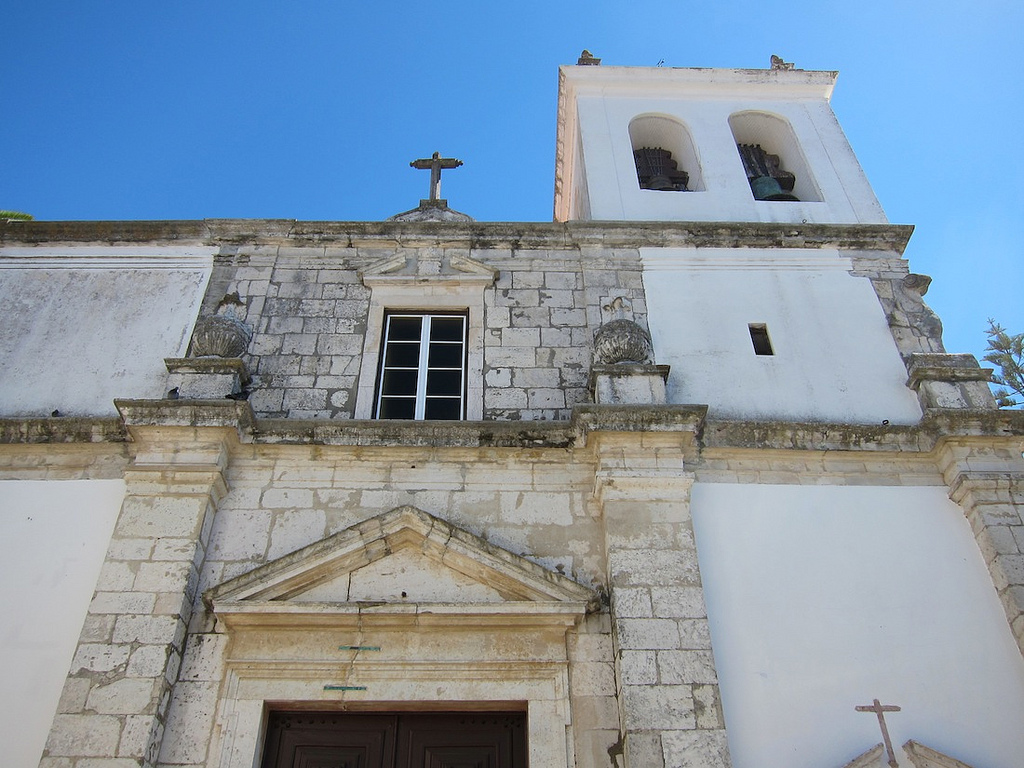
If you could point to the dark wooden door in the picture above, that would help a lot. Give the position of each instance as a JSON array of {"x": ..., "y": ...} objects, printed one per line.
[{"x": 396, "y": 740}]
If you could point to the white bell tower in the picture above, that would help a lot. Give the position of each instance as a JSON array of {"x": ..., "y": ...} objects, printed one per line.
[
  {"x": 730, "y": 133},
  {"x": 772, "y": 312}
]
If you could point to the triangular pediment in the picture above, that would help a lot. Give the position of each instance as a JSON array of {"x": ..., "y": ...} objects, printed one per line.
[
  {"x": 917, "y": 754},
  {"x": 426, "y": 265},
  {"x": 405, "y": 562},
  {"x": 926, "y": 757},
  {"x": 870, "y": 759}
]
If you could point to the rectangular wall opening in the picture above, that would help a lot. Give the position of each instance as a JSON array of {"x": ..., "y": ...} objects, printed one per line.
[{"x": 759, "y": 338}]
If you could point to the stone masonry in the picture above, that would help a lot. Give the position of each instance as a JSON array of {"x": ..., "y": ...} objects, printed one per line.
[{"x": 309, "y": 311}]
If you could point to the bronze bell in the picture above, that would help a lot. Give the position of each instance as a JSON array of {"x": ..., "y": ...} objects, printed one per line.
[
  {"x": 661, "y": 182},
  {"x": 768, "y": 188},
  {"x": 655, "y": 169}
]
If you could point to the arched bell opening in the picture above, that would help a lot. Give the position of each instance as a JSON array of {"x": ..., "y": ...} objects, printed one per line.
[
  {"x": 664, "y": 155},
  {"x": 772, "y": 159}
]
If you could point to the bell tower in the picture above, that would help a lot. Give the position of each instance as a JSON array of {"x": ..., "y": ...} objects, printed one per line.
[
  {"x": 771, "y": 312},
  {"x": 667, "y": 144}
]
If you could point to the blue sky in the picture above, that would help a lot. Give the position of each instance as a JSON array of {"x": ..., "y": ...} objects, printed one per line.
[{"x": 313, "y": 110}]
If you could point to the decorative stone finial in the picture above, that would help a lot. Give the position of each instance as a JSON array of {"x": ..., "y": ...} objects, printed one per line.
[
  {"x": 220, "y": 336},
  {"x": 923, "y": 320},
  {"x": 917, "y": 283},
  {"x": 622, "y": 341},
  {"x": 778, "y": 63}
]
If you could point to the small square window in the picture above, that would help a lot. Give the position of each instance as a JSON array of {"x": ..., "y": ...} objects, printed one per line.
[
  {"x": 423, "y": 367},
  {"x": 759, "y": 338}
]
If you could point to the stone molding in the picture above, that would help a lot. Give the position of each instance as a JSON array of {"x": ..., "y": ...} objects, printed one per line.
[
  {"x": 43, "y": 257},
  {"x": 229, "y": 233},
  {"x": 717, "y": 434},
  {"x": 412, "y": 269}
]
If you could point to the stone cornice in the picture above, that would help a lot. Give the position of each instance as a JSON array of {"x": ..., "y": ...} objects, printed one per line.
[
  {"x": 229, "y": 233},
  {"x": 61, "y": 429},
  {"x": 937, "y": 426}
]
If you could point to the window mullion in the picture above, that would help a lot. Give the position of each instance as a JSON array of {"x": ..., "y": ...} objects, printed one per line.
[{"x": 421, "y": 378}]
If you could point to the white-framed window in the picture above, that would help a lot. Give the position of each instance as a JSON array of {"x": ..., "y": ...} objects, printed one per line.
[{"x": 422, "y": 366}]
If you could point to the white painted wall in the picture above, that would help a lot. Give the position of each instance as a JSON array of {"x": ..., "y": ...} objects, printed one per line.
[
  {"x": 600, "y": 102},
  {"x": 83, "y": 326},
  {"x": 822, "y": 598},
  {"x": 835, "y": 358},
  {"x": 53, "y": 538}
]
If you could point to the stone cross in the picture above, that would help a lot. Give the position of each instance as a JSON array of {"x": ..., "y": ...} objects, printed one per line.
[
  {"x": 435, "y": 163},
  {"x": 878, "y": 709}
]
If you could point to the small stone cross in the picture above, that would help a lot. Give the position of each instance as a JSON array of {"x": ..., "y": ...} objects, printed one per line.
[
  {"x": 878, "y": 709},
  {"x": 435, "y": 163}
]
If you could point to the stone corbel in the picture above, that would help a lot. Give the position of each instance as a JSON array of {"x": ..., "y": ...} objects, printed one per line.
[
  {"x": 206, "y": 378},
  {"x": 949, "y": 381}
]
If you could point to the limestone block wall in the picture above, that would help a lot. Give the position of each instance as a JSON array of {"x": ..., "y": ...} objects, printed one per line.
[
  {"x": 309, "y": 311},
  {"x": 531, "y": 502}
]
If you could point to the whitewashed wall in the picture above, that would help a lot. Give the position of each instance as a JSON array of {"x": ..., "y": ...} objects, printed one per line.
[
  {"x": 835, "y": 359},
  {"x": 83, "y": 326},
  {"x": 822, "y": 598},
  {"x": 53, "y": 537}
]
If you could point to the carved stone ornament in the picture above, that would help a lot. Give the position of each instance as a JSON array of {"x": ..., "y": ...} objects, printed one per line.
[
  {"x": 622, "y": 341},
  {"x": 921, "y": 316},
  {"x": 220, "y": 336}
]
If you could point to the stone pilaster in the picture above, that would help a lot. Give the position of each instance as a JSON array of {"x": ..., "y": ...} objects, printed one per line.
[
  {"x": 115, "y": 698},
  {"x": 986, "y": 478},
  {"x": 669, "y": 698}
]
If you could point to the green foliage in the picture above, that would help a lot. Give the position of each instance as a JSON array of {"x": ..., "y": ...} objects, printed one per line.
[
  {"x": 16, "y": 215},
  {"x": 1006, "y": 353}
]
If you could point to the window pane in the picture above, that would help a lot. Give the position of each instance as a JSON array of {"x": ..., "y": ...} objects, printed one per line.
[
  {"x": 445, "y": 356},
  {"x": 443, "y": 408},
  {"x": 446, "y": 328},
  {"x": 404, "y": 328},
  {"x": 399, "y": 382},
  {"x": 444, "y": 383},
  {"x": 397, "y": 408},
  {"x": 404, "y": 354}
]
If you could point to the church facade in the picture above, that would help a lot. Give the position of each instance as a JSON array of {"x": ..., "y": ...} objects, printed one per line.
[{"x": 683, "y": 478}]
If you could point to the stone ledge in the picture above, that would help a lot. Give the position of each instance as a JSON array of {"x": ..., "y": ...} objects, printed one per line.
[
  {"x": 188, "y": 413},
  {"x": 936, "y": 426},
  {"x": 441, "y": 434},
  {"x": 518, "y": 235},
  {"x": 944, "y": 367},
  {"x": 62, "y": 429}
]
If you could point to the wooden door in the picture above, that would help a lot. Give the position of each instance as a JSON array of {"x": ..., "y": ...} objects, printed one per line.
[{"x": 396, "y": 740}]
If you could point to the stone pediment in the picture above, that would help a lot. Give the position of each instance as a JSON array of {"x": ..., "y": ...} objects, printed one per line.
[
  {"x": 918, "y": 755},
  {"x": 399, "y": 567},
  {"x": 427, "y": 265}
]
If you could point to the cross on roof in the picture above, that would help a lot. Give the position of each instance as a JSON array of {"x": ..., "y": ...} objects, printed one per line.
[
  {"x": 435, "y": 163},
  {"x": 879, "y": 709}
]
